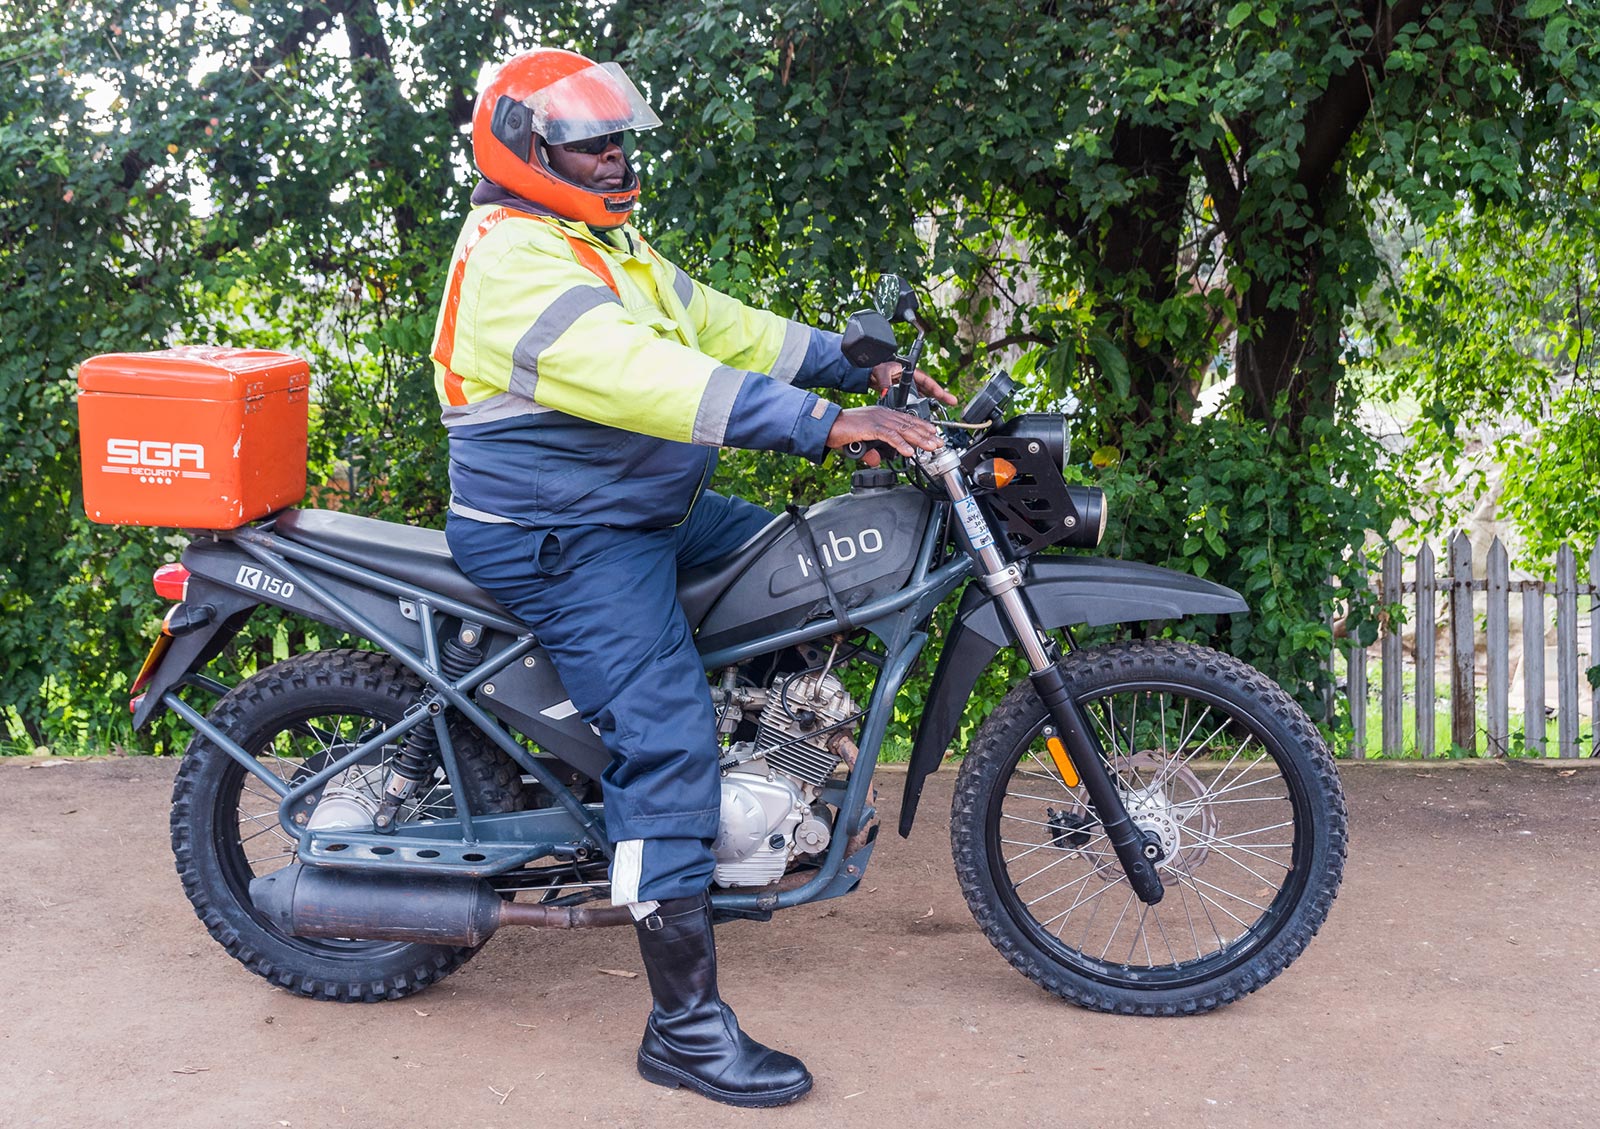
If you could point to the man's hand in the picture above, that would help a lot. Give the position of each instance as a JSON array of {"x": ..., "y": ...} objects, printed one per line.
[
  {"x": 886, "y": 374},
  {"x": 905, "y": 433}
]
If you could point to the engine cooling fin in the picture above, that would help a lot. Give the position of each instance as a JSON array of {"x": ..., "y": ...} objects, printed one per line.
[{"x": 801, "y": 714}]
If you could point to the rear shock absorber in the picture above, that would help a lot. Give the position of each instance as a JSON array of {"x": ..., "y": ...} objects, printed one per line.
[{"x": 418, "y": 757}]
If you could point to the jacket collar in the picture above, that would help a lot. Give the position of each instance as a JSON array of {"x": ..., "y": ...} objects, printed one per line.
[{"x": 487, "y": 192}]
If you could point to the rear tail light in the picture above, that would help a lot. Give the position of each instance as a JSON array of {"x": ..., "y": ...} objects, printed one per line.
[
  {"x": 171, "y": 581},
  {"x": 135, "y": 703}
]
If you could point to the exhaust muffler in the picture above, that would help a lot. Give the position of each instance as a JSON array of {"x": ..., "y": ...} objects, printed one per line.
[{"x": 323, "y": 902}]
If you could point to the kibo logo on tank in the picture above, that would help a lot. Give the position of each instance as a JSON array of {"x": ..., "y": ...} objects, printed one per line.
[{"x": 838, "y": 550}]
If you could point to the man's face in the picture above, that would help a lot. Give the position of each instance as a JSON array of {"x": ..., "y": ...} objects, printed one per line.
[{"x": 605, "y": 171}]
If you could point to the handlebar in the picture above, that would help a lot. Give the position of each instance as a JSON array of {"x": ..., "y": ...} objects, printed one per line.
[{"x": 858, "y": 450}]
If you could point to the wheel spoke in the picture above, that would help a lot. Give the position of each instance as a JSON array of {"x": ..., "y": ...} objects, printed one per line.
[
  {"x": 1250, "y": 800},
  {"x": 1214, "y": 791},
  {"x": 1118, "y": 923},
  {"x": 1085, "y": 898},
  {"x": 1066, "y": 886},
  {"x": 1227, "y": 893},
  {"x": 1222, "y": 847},
  {"x": 1040, "y": 799},
  {"x": 1205, "y": 907},
  {"x": 1042, "y": 869}
]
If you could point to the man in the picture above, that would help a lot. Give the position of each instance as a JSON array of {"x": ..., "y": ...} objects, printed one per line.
[{"x": 587, "y": 384}]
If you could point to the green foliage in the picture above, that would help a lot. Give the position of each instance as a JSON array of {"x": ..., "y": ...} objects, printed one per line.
[
  {"x": 228, "y": 174},
  {"x": 1131, "y": 182},
  {"x": 1252, "y": 508},
  {"x": 94, "y": 230},
  {"x": 1495, "y": 334},
  {"x": 1144, "y": 196}
]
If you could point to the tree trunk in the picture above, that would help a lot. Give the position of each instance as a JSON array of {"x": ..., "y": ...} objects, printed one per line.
[
  {"x": 1293, "y": 352},
  {"x": 1139, "y": 252}
]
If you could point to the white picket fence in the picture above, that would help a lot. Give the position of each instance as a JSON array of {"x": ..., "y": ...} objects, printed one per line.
[{"x": 1489, "y": 732}]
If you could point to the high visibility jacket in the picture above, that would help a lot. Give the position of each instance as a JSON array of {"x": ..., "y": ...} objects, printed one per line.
[{"x": 587, "y": 380}]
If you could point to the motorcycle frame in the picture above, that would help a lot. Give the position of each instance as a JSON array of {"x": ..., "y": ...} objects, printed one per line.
[{"x": 484, "y": 845}]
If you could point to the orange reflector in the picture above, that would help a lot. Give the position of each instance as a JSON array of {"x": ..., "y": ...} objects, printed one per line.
[
  {"x": 1058, "y": 753},
  {"x": 158, "y": 651},
  {"x": 1004, "y": 472}
]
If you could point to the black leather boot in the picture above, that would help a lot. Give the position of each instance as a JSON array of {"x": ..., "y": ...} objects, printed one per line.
[{"x": 692, "y": 1038}]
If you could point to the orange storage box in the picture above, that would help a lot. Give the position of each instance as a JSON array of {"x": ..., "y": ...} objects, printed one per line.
[{"x": 197, "y": 437}]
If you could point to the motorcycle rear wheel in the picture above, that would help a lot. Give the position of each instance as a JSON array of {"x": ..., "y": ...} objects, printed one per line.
[
  {"x": 295, "y": 716},
  {"x": 1221, "y": 765}
]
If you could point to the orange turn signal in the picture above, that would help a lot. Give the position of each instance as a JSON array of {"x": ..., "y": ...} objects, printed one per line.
[
  {"x": 994, "y": 474},
  {"x": 1058, "y": 753}
]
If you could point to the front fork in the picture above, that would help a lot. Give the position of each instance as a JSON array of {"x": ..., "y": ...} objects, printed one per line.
[{"x": 1139, "y": 853}]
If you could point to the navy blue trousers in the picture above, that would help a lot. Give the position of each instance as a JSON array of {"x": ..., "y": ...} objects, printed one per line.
[{"x": 604, "y": 605}]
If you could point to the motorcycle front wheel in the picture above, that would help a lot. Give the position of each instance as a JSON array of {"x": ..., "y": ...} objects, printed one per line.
[
  {"x": 295, "y": 717},
  {"x": 1210, "y": 756}
]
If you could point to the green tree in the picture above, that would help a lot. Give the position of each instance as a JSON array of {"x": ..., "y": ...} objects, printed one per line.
[
  {"x": 1189, "y": 170},
  {"x": 1143, "y": 193},
  {"x": 190, "y": 172},
  {"x": 1495, "y": 336},
  {"x": 95, "y": 241},
  {"x": 1138, "y": 194}
]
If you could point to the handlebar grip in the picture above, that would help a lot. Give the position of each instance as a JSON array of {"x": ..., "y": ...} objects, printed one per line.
[{"x": 858, "y": 449}]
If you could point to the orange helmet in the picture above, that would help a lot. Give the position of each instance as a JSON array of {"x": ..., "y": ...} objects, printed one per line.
[{"x": 552, "y": 97}]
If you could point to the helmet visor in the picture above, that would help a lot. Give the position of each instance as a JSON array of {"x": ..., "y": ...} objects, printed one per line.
[{"x": 590, "y": 103}]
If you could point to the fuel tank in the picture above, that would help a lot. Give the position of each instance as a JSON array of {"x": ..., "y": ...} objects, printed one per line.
[{"x": 866, "y": 543}]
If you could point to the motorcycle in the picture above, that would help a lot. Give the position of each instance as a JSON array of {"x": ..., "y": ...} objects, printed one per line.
[{"x": 1150, "y": 828}]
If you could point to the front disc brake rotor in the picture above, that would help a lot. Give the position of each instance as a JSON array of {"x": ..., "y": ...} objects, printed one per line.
[{"x": 1166, "y": 800}]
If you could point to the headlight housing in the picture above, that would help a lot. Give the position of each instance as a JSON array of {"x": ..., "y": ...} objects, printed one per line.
[
  {"x": 1048, "y": 429},
  {"x": 1090, "y": 502}
]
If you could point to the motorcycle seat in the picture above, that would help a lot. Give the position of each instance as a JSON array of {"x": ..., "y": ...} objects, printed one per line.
[
  {"x": 422, "y": 557},
  {"x": 401, "y": 552},
  {"x": 698, "y": 588}
]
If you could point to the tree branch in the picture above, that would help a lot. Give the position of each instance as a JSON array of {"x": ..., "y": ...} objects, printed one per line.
[
  {"x": 313, "y": 18},
  {"x": 1340, "y": 109},
  {"x": 967, "y": 356}
]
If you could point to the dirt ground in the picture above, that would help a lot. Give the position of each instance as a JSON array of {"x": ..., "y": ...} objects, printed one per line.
[{"x": 1457, "y": 983}]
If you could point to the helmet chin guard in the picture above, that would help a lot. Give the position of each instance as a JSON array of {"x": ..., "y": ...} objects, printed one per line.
[{"x": 552, "y": 97}]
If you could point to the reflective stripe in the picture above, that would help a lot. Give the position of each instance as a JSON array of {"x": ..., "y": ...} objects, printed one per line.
[
  {"x": 445, "y": 346},
  {"x": 682, "y": 286},
  {"x": 503, "y": 406},
  {"x": 716, "y": 406},
  {"x": 461, "y": 509},
  {"x": 626, "y": 867},
  {"x": 558, "y": 317},
  {"x": 592, "y": 260},
  {"x": 792, "y": 353}
]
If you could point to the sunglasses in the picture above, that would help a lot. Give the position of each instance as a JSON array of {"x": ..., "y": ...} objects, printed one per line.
[{"x": 594, "y": 146}]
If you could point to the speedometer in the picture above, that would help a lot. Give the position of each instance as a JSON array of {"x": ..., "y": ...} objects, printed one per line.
[{"x": 989, "y": 401}]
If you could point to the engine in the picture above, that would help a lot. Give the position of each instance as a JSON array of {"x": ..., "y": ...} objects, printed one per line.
[{"x": 770, "y": 812}]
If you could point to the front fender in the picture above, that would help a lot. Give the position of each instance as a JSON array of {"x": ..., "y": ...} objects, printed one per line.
[{"x": 1063, "y": 592}]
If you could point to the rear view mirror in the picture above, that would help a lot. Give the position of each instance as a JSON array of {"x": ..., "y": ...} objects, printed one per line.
[
  {"x": 868, "y": 340},
  {"x": 894, "y": 298}
]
